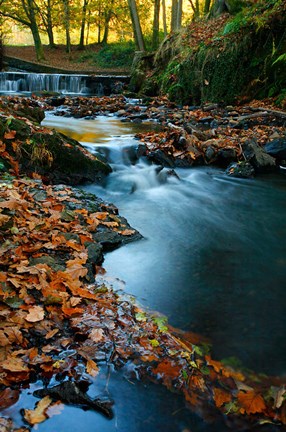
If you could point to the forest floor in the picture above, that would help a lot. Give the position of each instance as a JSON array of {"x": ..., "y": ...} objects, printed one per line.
[{"x": 59, "y": 58}]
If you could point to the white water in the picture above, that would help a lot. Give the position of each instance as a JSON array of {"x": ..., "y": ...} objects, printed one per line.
[{"x": 213, "y": 254}]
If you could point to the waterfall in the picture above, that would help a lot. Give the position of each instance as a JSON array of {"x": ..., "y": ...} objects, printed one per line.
[
  {"x": 30, "y": 82},
  {"x": 99, "y": 85}
]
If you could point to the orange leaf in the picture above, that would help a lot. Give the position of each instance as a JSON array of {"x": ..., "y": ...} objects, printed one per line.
[
  {"x": 251, "y": 402},
  {"x": 92, "y": 368},
  {"x": 10, "y": 135},
  {"x": 127, "y": 232},
  {"x": 38, "y": 415},
  {"x": 71, "y": 311},
  {"x": 221, "y": 397}
]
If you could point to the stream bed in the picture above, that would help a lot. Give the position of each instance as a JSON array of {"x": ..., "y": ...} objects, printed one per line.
[{"x": 213, "y": 259}]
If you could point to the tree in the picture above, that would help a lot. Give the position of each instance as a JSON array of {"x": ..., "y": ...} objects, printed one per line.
[
  {"x": 25, "y": 12},
  {"x": 83, "y": 22},
  {"x": 46, "y": 13},
  {"x": 176, "y": 17},
  {"x": 138, "y": 35},
  {"x": 66, "y": 5},
  {"x": 155, "y": 38},
  {"x": 218, "y": 7}
]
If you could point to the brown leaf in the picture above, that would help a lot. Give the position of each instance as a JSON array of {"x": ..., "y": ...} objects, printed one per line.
[
  {"x": 96, "y": 335},
  {"x": 36, "y": 313},
  {"x": 14, "y": 364},
  {"x": 92, "y": 368},
  {"x": 251, "y": 402},
  {"x": 8, "y": 397},
  {"x": 221, "y": 397},
  {"x": 38, "y": 415}
]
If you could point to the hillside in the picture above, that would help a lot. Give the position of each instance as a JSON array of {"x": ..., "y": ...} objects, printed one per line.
[{"x": 226, "y": 59}]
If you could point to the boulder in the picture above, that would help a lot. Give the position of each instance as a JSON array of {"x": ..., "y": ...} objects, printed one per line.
[
  {"x": 257, "y": 156},
  {"x": 276, "y": 148}
]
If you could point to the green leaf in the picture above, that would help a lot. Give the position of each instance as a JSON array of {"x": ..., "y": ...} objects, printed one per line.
[
  {"x": 205, "y": 370},
  {"x": 185, "y": 375},
  {"x": 140, "y": 316},
  {"x": 154, "y": 343},
  {"x": 161, "y": 322}
]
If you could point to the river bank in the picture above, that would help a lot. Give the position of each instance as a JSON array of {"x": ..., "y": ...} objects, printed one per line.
[{"x": 60, "y": 295}]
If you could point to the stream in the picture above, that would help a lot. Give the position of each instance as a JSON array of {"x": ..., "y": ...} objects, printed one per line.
[{"x": 213, "y": 260}]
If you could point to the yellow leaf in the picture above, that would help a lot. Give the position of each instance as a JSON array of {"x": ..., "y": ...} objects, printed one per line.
[
  {"x": 38, "y": 415},
  {"x": 92, "y": 368}
]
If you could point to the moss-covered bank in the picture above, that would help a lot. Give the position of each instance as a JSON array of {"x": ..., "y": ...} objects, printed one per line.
[{"x": 245, "y": 57}]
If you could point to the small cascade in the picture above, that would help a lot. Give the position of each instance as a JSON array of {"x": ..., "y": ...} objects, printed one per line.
[
  {"x": 30, "y": 82},
  {"x": 22, "y": 82}
]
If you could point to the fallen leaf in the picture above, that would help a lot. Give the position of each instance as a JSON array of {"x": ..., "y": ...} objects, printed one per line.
[
  {"x": 221, "y": 397},
  {"x": 251, "y": 402},
  {"x": 14, "y": 364},
  {"x": 8, "y": 397},
  {"x": 38, "y": 415},
  {"x": 36, "y": 313},
  {"x": 127, "y": 232},
  {"x": 96, "y": 335},
  {"x": 10, "y": 134},
  {"x": 92, "y": 368}
]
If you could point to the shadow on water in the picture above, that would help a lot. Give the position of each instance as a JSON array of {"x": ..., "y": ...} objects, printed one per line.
[{"x": 212, "y": 258}]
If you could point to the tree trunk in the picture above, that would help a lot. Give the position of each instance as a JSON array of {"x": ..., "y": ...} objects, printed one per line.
[
  {"x": 174, "y": 15},
  {"x": 138, "y": 36},
  {"x": 155, "y": 37},
  {"x": 164, "y": 17},
  {"x": 179, "y": 14},
  {"x": 82, "y": 27},
  {"x": 50, "y": 25},
  {"x": 30, "y": 8},
  {"x": 67, "y": 24},
  {"x": 107, "y": 18},
  {"x": 207, "y": 6},
  {"x": 219, "y": 7},
  {"x": 88, "y": 28}
]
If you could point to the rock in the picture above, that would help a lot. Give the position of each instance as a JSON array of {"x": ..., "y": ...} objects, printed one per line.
[
  {"x": 95, "y": 254},
  {"x": 226, "y": 155},
  {"x": 256, "y": 155},
  {"x": 141, "y": 150},
  {"x": 210, "y": 153},
  {"x": 240, "y": 169},
  {"x": 56, "y": 101},
  {"x": 276, "y": 148},
  {"x": 159, "y": 157},
  {"x": 56, "y": 157}
]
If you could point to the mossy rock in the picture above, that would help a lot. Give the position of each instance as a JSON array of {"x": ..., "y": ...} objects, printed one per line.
[{"x": 61, "y": 159}]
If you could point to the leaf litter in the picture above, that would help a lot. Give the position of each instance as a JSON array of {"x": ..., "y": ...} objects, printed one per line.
[{"x": 56, "y": 313}]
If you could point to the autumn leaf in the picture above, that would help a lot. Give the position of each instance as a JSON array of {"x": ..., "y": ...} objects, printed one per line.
[
  {"x": 10, "y": 135},
  {"x": 251, "y": 402},
  {"x": 8, "y": 397},
  {"x": 14, "y": 364},
  {"x": 96, "y": 335},
  {"x": 92, "y": 368},
  {"x": 36, "y": 313},
  {"x": 127, "y": 232},
  {"x": 38, "y": 415},
  {"x": 55, "y": 409},
  {"x": 221, "y": 397}
]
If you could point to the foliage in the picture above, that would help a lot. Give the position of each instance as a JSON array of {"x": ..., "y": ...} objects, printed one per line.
[{"x": 112, "y": 55}]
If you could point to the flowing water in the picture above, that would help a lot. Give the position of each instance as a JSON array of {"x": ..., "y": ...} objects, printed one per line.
[{"x": 213, "y": 257}]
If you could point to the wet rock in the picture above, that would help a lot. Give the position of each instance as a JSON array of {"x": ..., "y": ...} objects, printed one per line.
[
  {"x": 210, "y": 153},
  {"x": 141, "y": 150},
  {"x": 256, "y": 155},
  {"x": 276, "y": 148},
  {"x": 240, "y": 169},
  {"x": 95, "y": 253},
  {"x": 111, "y": 240},
  {"x": 225, "y": 156},
  {"x": 56, "y": 101},
  {"x": 159, "y": 157}
]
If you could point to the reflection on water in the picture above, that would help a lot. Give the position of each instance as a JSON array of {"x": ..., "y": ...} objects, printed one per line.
[{"x": 212, "y": 259}]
